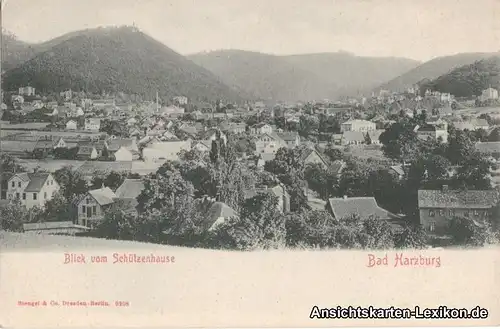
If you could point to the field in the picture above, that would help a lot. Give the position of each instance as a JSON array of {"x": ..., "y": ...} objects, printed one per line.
[
  {"x": 477, "y": 111},
  {"x": 367, "y": 152},
  {"x": 49, "y": 165}
]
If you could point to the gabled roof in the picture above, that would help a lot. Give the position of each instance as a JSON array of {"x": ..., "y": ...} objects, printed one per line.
[
  {"x": 307, "y": 152},
  {"x": 37, "y": 180},
  {"x": 289, "y": 136},
  {"x": 103, "y": 196},
  {"x": 354, "y": 136},
  {"x": 364, "y": 207},
  {"x": 468, "y": 199},
  {"x": 115, "y": 144},
  {"x": 488, "y": 147},
  {"x": 216, "y": 211},
  {"x": 130, "y": 189}
]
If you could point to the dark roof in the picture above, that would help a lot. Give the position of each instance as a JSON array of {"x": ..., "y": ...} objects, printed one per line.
[
  {"x": 36, "y": 182},
  {"x": 307, "y": 152},
  {"x": 130, "y": 189},
  {"x": 217, "y": 210},
  {"x": 364, "y": 207},
  {"x": 468, "y": 199},
  {"x": 488, "y": 147},
  {"x": 115, "y": 144},
  {"x": 290, "y": 136}
]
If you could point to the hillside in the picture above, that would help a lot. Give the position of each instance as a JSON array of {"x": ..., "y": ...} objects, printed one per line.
[
  {"x": 14, "y": 51},
  {"x": 267, "y": 77},
  {"x": 432, "y": 70},
  {"x": 349, "y": 74},
  {"x": 468, "y": 80},
  {"x": 116, "y": 59},
  {"x": 300, "y": 77}
]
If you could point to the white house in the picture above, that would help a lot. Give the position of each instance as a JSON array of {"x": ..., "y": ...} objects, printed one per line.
[
  {"x": 163, "y": 151},
  {"x": 71, "y": 125},
  {"x": 358, "y": 125},
  {"x": 92, "y": 124},
  {"x": 27, "y": 91},
  {"x": 489, "y": 94},
  {"x": 31, "y": 189}
]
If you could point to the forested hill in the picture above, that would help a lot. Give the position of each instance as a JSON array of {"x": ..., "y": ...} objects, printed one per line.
[{"x": 117, "y": 59}]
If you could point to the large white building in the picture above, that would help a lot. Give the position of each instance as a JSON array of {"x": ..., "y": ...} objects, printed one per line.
[
  {"x": 489, "y": 94},
  {"x": 358, "y": 125}
]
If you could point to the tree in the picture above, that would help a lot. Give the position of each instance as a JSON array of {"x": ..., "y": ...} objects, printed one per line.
[
  {"x": 8, "y": 164},
  {"x": 376, "y": 234},
  {"x": 333, "y": 153},
  {"x": 71, "y": 182},
  {"x": 466, "y": 231},
  {"x": 473, "y": 173},
  {"x": 460, "y": 146},
  {"x": 400, "y": 142},
  {"x": 411, "y": 237},
  {"x": 260, "y": 225},
  {"x": 13, "y": 215},
  {"x": 368, "y": 139},
  {"x": 59, "y": 209}
]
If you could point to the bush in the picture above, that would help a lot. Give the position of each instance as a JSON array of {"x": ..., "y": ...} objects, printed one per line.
[
  {"x": 466, "y": 231},
  {"x": 411, "y": 237}
]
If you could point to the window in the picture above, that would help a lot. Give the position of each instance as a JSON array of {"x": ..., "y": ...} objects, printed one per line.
[
  {"x": 94, "y": 210},
  {"x": 451, "y": 212},
  {"x": 45, "y": 195},
  {"x": 17, "y": 196},
  {"x": 83, "y": 209},
  {"x": 13, "y": 184},
  {"x": 476, "y": 212},
  {"x": 432, "y": 226},
  {"x": 431, "y": 213},
  {"x": 466, "y": 213},
  {"x": 34, "y": 196},
  {"x": 441, "y": 212},
  {"x": 18, "y": 184},
  {"x": 24, "y": 196},
  {"x": 87, "y": 200}
]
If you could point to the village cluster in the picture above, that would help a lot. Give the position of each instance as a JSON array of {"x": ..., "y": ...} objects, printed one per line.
[{"x": 44, "y": 133}]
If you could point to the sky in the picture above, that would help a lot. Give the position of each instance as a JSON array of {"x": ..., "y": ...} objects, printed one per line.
[{"x": 417, "y": 29}]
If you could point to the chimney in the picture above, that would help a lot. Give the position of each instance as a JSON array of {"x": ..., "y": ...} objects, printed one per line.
[
  {"x": 445, "y": 188},
  {"x": 345, "y": 197}
]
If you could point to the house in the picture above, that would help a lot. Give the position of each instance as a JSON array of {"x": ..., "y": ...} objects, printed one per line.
[
  {"x": 435, "y": 130},
  {"x": 397, "y": 171},
  {"x": 71, "y": 125},
  {"x": 357, "y": 125},
  {"x": 67, "y": 94},
  {"x": 438, "y": 207},
  {"x": 489, "y": 94},
  {"x": 312, "y": 156},
  {"x": 163, "y": 151},
  {"x": 17, "y": 99},
  {"x": 261, "y": 128},
  {"x": 211, "y": 135},
  {"x": 489, "y": 148},
  {"x": 233, "y": 127},
  {"x": 375, "y": 136},
  {"x": 27, "y": 91},
  {"x": 268, "y": 143},
  {"x": 92, "y": 124},
  {"x": 291, "y": 139},
  {"x": 92, "y": 206},
  {"x": 213, "y": 212},
  {"x": 130, "y": 189},
  {"x": 57, "y": 228},
  {"x": 102, "y": 103},
  {"x": 180, "y": 100},
  {"x": 87, "y": 151},
  {"x": 353, "y": 138},
  {"x": 171, "y": 110},
  {"x": 202, "y": 146},
  {"x": 472, "y": 125},
  {"x": 31, "y": 189},
  {"x": 363, "y": 207},
  {"x": 278, "y": 191},
  {"x": 123, "y": 149}
]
